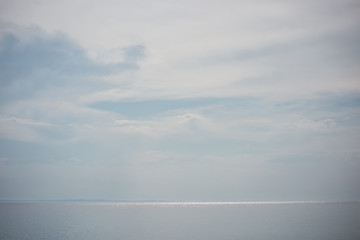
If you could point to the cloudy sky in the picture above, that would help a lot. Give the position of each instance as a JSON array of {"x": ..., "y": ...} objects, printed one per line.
[{"x": 180, "y": 100}]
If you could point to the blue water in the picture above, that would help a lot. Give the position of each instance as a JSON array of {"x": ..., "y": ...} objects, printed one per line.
[{"x": 173, "y": 221}]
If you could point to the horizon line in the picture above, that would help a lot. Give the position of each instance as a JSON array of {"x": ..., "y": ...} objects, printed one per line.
[{"x": 175, "y": 202}]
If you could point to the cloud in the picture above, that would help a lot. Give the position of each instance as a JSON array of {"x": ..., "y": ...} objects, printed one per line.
[
  {"x": 267, "y": 49},
  {"x": 32, "y": 61},
  {"x": 41, "y": 77}
]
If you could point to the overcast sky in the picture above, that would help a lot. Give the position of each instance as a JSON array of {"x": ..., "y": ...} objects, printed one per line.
[{"x": 180, "y": 100}]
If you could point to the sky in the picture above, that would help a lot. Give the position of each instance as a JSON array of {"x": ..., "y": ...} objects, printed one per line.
[{"x": 180, "y": 100}]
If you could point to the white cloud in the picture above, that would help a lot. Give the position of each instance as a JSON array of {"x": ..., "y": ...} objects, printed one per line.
[{"x": 217, "y": 49}]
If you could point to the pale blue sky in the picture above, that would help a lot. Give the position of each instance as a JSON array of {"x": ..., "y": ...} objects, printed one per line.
[{"x": 168, "y": 100}]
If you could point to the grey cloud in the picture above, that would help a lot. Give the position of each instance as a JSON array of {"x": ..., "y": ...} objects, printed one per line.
[
  {"x": 134, "y": 53},
  {"x": 30, "y": 63}
]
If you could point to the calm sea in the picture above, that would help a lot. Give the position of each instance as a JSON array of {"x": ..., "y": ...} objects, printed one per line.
[{"x": 172, "y": 221}]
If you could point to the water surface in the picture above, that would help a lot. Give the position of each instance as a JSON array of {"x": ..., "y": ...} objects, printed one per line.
[{"x": 175, "y": 220}]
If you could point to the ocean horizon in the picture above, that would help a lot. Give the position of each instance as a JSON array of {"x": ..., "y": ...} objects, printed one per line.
[{"x": 182, "y": 201}]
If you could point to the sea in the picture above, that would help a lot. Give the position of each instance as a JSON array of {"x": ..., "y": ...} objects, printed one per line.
[{"x": 80, "y": 220}]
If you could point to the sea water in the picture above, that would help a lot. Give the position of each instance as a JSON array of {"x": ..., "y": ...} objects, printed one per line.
[{"x": 179, "y": 220}]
